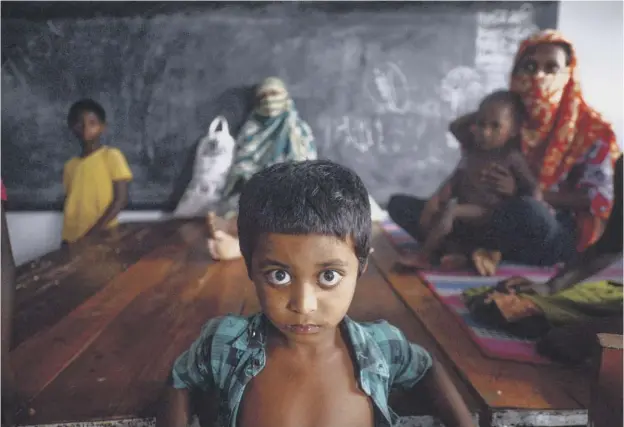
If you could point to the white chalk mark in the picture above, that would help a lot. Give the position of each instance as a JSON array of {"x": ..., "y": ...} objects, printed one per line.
[
  {"x": 13, "y": 71},
  {"x": 379, "y": 132},
  {"x": 522, "y": 16},
  {"x": 421, "y": 128},
  {"x": 459, "y": 85},
  {"x": 356, "y": 133},
  {"x": 430, "y": 108},
  {"x": 54, "y": 29},
  {"x": 499, "y": 33},
  {"x": 386, "y": 145},
  {"x": 389, "y": 89}
]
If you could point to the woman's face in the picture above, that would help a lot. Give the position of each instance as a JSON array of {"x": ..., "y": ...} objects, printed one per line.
[{"x": 544, "y": 58}]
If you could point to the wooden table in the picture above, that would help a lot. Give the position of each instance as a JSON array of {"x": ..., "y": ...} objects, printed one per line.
[{"x": 98, "y": 327}]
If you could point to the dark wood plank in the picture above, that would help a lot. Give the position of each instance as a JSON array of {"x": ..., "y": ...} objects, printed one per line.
[
  {"x": 499, "y": 384},
  {"x": 41, "y": 303},
  {"x": 224, "y": 287},
  {"x": 64, "y": 341},
  {"x": 92, "y": 386}
]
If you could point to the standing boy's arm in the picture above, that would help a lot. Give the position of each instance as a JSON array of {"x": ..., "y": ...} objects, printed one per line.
[
  {"x": 447, "y": 404},
  {"x": 121, "y": 175},
  {"x": 120, "y": 200}
]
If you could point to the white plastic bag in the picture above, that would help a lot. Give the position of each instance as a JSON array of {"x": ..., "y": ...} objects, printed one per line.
[
  {"x": 377, "y": 214},
  {"x": 213, "y": 160}
]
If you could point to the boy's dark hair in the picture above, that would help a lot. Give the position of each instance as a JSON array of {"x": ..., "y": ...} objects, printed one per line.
[
  {"x": 85, "y": 105},
  {"x": 512, "y": 99},
  {"x": 308, "y": 197}
]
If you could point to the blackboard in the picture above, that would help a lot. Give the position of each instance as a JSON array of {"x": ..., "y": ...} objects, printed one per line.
[{"x": 378, "y": 82}]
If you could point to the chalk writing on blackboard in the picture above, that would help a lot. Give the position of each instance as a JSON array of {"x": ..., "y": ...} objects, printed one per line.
[
  {"x": 55, "y": 29},
  {"x": 11, "y": 71},
  {"x": 357, "y": 133},
  {"x": 499, "y": 32},
  {"x": 388, "y": 89},
  {"x": 460, "y": 88}
]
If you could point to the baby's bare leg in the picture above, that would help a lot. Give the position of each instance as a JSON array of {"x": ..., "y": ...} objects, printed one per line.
[
  {"x": 485, "y": 261},
  {"x": 442, "y": 227},
  {"x": 471, "y": 214}
]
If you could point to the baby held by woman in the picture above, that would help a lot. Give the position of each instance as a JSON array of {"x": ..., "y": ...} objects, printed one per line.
[{"x": 459, "y": 212}]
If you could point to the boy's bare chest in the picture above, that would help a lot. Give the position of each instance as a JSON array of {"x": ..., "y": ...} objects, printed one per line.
[{"x": 285, "y": 395}]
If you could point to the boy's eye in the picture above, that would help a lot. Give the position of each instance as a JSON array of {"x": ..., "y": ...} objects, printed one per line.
[
  {"x": 329, "y": 278},
  {"x": 278, "y": 277}
]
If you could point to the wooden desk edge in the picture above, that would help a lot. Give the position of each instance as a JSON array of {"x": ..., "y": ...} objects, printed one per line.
[{"x": 612, "y": 341}]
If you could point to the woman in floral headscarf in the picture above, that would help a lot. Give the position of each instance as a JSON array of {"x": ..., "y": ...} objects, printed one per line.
[
  {"x": 273, "y": 133},
  {"x": 571, "y": 150}
]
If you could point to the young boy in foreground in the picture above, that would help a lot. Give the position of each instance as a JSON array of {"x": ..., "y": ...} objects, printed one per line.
[
  {"x": 305, "y": 233},
  {"x": 96, "y": 183}
]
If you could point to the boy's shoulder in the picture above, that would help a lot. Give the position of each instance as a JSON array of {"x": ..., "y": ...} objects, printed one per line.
[
  {"x": 229, "y": 325},
  {"x": 382, "y": 348},
  {"x": 112, "y": 150},
  {"x": 378, "y": 330},
  {"x": 377, "y": 335},
  {"x": 72, "y": 161}
]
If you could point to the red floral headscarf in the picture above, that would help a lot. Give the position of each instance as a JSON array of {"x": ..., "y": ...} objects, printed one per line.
[{"x": 561, "y": 119}]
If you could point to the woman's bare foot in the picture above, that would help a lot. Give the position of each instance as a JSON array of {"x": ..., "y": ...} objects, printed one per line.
[
  {"x": 221, "y": 245},
  {"x": 486, "y": 262},
  {"x": 452, "y": 262}
]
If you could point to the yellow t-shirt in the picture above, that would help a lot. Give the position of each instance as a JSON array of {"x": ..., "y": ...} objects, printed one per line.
[{"x": 88, "y": 184}]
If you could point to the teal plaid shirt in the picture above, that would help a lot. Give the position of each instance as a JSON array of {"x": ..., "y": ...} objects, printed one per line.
[{"x": 230, "y": 352}]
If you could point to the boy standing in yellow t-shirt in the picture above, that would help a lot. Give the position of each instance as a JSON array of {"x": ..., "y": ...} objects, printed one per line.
[{"x": 96, "y": 183}]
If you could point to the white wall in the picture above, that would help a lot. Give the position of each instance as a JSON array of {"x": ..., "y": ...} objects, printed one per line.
[
  {"x": 36, "y": 233},
  {"x": 595, "y": 27}
]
